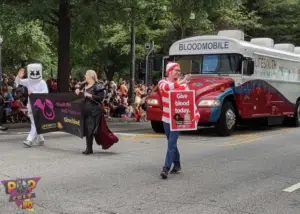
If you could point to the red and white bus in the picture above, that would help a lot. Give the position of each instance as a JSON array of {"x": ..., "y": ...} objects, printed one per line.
[{"x": 235, "y": 80}]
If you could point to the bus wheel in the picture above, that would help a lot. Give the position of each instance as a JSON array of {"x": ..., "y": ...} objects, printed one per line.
[
  {"x": 227, "y": 121},
  {"x": 296, "y": 118},
  {"x": 157, "y": 126}
]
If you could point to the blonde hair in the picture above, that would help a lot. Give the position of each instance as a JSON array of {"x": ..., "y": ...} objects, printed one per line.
[{"x": 93, "y": 74}]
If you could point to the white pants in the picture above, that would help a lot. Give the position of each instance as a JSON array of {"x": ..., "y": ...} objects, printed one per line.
[{"x": 33, "y": 134}]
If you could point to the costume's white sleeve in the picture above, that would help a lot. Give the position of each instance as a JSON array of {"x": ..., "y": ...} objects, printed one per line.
[
  {"x": 43, "y": 88},
  {"x": 19, "y": 81}
]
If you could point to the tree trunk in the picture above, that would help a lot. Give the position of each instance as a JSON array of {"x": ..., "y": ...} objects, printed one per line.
[
  {"x": 132, "y": 53},
  {"x": 109, "y": 73},
  {"x": 64, "y": 33},
  {"x": 97, "y": 70},
  {"x": 182, "y": 28},
  {"x": 182, "y": 32}
]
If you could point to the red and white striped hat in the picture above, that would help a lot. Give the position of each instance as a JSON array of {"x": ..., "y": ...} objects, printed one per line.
[{"x": 171, "y": 66}]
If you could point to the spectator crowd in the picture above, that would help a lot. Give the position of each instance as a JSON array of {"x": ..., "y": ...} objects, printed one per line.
[{"x": 116, "y": 102}]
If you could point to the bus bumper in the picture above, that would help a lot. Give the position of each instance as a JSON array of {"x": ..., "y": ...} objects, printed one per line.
[{"x": 209, "y": 114}]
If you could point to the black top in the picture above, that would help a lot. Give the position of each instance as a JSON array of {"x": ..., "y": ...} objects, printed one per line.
[{"x": 92, "y": 105}]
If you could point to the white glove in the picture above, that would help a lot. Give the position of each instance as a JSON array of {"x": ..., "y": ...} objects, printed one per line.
[{"x": 77, "y": 91}]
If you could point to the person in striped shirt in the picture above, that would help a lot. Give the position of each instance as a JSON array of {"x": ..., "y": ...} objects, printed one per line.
[{"x": 170, "y": 83}]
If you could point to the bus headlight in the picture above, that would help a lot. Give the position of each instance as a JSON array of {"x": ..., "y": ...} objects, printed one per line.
[
  {"x": 209, "y": 103},
  {"x": 152, "y": 101}
]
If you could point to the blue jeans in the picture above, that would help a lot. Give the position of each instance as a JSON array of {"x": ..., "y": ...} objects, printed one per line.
[{"x": 172, "y": 155}]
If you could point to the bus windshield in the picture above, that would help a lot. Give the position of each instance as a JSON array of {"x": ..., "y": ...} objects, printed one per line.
[{"x": 211, "y": 64}]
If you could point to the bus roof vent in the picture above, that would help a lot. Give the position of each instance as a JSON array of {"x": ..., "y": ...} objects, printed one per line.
[
  {"x": 285, "y": 47},
  {"x": 236, "y": 34},
  {"x": 297, "y": 50},
  {"x": 266, "y": 42}
]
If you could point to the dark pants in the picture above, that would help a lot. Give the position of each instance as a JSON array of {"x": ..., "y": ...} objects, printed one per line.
[
  {"x": 172, "y": 155},
  {"x": 89, "y": 124}
]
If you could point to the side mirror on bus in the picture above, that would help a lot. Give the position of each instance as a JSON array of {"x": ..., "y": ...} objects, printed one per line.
[{"x": 249, "y": 67}]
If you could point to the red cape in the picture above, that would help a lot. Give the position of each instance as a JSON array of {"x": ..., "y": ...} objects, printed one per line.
[{"x": 104, "y": 136}]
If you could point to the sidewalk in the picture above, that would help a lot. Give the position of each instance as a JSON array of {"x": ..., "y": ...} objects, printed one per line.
[{"x": 109, "y": 121}]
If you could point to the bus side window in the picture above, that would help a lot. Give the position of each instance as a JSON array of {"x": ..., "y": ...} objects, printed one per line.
[
  {"x": 210, "y": 63},
  {"x": 248, "y": 67}
]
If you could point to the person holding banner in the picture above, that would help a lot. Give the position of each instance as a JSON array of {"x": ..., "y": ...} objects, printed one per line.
[
  {"x": 94, "y": 122},
  {"x": 166, "y": 85},
  {"x": 36, "y": 85}
]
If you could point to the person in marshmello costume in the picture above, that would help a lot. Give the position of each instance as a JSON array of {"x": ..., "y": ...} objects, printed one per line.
[{"x": 35, "y": 84}]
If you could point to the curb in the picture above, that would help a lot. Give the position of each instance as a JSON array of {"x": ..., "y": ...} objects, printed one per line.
[
  {"x": 109, "y": 121},
  {"x": 16, "y": 125},
  {"x": 120, "y": 120}
]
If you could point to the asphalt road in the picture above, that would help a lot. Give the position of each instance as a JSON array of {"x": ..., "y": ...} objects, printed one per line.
[{"x": 249, "y": 172}]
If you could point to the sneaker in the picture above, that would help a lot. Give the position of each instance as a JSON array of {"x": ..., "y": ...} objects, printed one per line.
[
  {"x": 164, "y": 173},
  {"x": 2, "y": 128},
  {"x": 27, "y": 143},
  {"x": 176, "y": 169}
]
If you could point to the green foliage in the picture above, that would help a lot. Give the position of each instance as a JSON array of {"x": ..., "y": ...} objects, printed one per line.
[
  {"x": 280, "y": 20},
  {"x": 232, "y": 14},
  {"x": 24, "y": 38},
  {"x": 27, "y": 42},
  {"x": 100, "y": 33}
]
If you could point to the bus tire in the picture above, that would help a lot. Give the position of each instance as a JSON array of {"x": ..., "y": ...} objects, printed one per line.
[
  {"x": 227, "y": 120},
  {"x": 157, "y": 126},
  {"x": 296, "y": 118}
]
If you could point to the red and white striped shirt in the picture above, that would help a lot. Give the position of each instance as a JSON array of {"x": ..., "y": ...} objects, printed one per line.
[{"x": 164, "y": 87}]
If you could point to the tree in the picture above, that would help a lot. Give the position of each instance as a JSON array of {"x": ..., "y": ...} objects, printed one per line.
[
  {"x": 24, "y": 39},
  {"x": 108, "y": 46},
  {"x": 280, "y": 20},
  {"x": 232, "y": 14},
  {"x": 75, "y": 35},
  {"x": 59, "y": 14}
]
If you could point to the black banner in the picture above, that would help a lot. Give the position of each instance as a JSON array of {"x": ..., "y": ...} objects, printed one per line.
[{"x": 58, "y": 112}]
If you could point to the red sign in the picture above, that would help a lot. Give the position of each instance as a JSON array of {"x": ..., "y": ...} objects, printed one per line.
[{"x": 182, "y": 110}]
